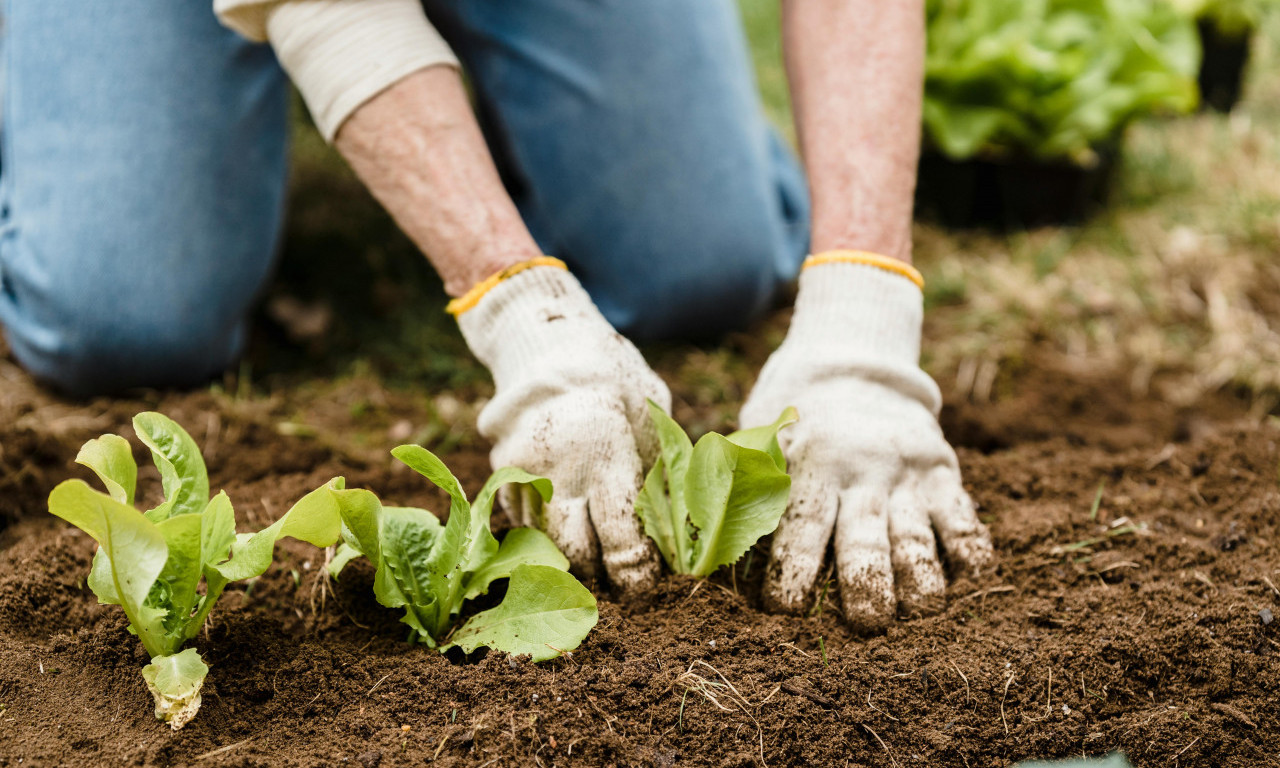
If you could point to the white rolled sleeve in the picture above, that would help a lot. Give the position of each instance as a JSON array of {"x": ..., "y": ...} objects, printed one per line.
[{"x": 341, "y": 53}]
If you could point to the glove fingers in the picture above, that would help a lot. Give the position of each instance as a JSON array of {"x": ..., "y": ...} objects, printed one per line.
[
  {"x": 863, "y": 559},
  {"x": 569, "y": 526},
  {"x": 965, "y": 540},
  {"x": 629, "y": 558},
  {"x": 800, "y": 543},
  {"x": 917, "y": 573}
]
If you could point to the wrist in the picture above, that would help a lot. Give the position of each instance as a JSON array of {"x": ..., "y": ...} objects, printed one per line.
[
  {"x": 894, "y": 242},
  {"x": 467, "y": 273}
]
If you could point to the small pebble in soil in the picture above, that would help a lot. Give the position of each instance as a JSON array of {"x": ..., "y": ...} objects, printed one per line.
[
  {"x": 711, "y": 643},
  {"x": 535, "y": 697},
  {"x": 1266, "y": 616}
]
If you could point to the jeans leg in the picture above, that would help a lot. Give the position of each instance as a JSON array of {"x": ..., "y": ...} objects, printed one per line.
[
  {"x": 633, "y": 140},
  {"x": 141, "y": 190}
]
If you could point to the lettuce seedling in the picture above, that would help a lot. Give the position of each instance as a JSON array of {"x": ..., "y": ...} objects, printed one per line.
[
  {"x": 431, "y": 569},
  {"x": 151, "y": 563},
  {"x": 704, "y": 505}
]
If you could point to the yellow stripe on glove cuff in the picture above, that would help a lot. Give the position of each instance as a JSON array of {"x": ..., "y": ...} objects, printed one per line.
[
  {"x": 472, "y": 297},
  {"x": 869, "y": 259}
]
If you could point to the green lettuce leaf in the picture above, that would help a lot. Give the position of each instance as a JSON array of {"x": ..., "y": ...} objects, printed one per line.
[
  {"x": 735, "y": 495},
  {"x": 182, "y": 471},
  {"x": 430, "y": 570},
  {"x": 1052, "y": 79},
  {"x": 111, "y": 459},
  {"x": 727, "y": 493},
  {"x": 545, "y": 612},
  {"x": 314, "y": 519},
  {"x": 765, "y": 438},
  {"x": 135, "y": 551},
  {"x": 666, "y": 516},
  {"x": 521, "y": 546},
  {"x": 175, "y": 682},
  {"x": 656, "y": 512}
]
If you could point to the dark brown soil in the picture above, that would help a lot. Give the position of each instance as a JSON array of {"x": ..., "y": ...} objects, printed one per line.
[{"x": 1159, "y": 642}]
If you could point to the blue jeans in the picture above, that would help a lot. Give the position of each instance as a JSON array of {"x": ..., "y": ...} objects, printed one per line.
[{"x": 144, "y": 155}]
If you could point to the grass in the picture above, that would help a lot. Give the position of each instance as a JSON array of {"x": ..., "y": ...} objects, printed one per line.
[
  {"x": 1175, "y": 285},
  {"x": 1097, "y": 501}
]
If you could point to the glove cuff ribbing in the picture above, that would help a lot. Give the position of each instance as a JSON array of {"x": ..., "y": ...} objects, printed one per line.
[
  {"x": 862, "y": 309},
  {"x": 526, "y": 316}
]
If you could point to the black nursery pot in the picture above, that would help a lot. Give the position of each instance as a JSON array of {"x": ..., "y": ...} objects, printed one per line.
[
  {"x": 1222, "y": 69},
  {"x": 1011, "y": 193}
]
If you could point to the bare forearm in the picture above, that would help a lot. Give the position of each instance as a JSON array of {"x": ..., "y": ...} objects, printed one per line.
[
  {"x": 857, "y": 71},
  {"x": 419, "y": 150}
]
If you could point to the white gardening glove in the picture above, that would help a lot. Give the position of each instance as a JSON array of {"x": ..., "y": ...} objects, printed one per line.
[
  {"x": 569, "y": 405},
  {"x": 867, "y": 457}
]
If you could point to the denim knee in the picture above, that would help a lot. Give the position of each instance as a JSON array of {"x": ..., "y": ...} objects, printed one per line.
[
  {"x": 728, "y": 277},
  {"x": 95, "y": 349}
]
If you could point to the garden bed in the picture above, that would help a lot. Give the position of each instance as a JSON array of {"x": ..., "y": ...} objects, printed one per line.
[{"x": 1153, "y": 639}]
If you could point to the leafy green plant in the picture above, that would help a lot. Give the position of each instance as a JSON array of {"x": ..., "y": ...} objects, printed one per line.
[
  {"x": 152, "y": 563},
  {"x": 431, "y": 569},
  {"x": 1052, "y": 79},
  {"x": 704, "y": 505}
]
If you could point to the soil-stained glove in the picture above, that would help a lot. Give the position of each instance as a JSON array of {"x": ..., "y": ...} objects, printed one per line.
[
  {"x": 867, "y": 457},
  {"x": 569, "y": 405}
]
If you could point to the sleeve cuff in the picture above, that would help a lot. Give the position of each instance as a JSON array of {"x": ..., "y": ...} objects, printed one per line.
[{"x": 341, "y": 53}]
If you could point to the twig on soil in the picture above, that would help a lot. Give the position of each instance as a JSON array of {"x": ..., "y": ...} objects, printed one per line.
[
  {"x": 1121, "y": 564},
  {"x": 796, "y": 690},
  {"x": 1267, "y": 581},
  {"x": 220, "y": 750},
  {"x": 608, "y": 719},
  {"x": 967, "y": 695},
  {"x": 1007, "y": 682},
  {"x": 794, "y": 647},
  {"x": 375, "y": 685},
  {"x": 440, "y": 748},
  {"x": 1189, "y": 746},
  {"x": 988, "y": 591},
  {"x": 877, "y": 709},
  {"x": 882, "y": 744},
  {"x": 1048, "y": 704}
]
